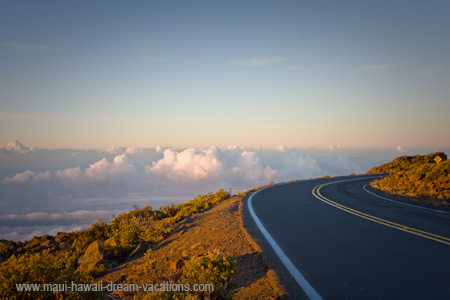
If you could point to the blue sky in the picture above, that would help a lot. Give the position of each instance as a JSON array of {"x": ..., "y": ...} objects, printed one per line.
[{"x": 363, "y": 74}]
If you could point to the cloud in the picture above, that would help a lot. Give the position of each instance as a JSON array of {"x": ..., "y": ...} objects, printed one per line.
[
  {"x": 400, "y": 149},
  {"x": 123, "y": 150},
  {"x": 133, "y": 150},
  {"x": 104, "y": 170},
  {"x": 300, "y": 166},
  {"x": 89, "y": 182},
  {"x": 28, "y": 176},
  {"x": 75, "y": 216},
  {"x": 16, "y": 146},
  {"x": 250, "y": 168},
  {"x": 189, "y": 164},
  {"x": 23, "y": 233},
  {"x": 30, "y": 47},
  {"x": 176, "y": 173},
  {"x": 281, "y": 148},
  {"x": 20, "y": 177},
  {"x": 257, "y": 62},
  {"x": 70, "y": 174},
  {"x": 331, "y": 148}
]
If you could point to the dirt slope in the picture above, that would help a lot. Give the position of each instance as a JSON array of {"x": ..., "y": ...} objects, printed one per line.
[{"x": 216, "y": 228}]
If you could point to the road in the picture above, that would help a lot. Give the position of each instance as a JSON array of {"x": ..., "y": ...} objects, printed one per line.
[{"x": 331, "y": 239}]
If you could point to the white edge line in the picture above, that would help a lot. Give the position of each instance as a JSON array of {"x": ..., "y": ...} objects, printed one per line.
[
  {"x": 304, "y": 284},
  {"x": 436, "y": 210}
]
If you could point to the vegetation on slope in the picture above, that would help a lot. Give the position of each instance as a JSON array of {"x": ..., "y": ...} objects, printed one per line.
[
  {"x": 421, "y": 178},
  {"x": 56, "y": 260}
]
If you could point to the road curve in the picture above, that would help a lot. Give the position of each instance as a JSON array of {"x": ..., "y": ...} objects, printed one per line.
[{"x": 332, "y": 239}]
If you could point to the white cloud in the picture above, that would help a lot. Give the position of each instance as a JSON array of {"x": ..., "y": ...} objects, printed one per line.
[
  {"x": 189, "y": 164},
  {"x": 133, "y": 150},
  {"x": 20, "y": 177},
  {"x": 72, "y": 174},
  {"x": 281, "y": 148},
  {"x": 115, "y": 149},
  {"x": 400, "y": 149},
  {"x": 38, "y": 196},
  {"x": 104, "y": 170},
  {"x": 16, "y": 146},
  {"x": 123, "y": 150},
  {"x": 257, "y": 62},
  {"x": 251, "y": 168}
]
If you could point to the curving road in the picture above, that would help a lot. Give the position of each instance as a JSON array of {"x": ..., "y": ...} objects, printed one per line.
[{"x": 332, "y": 239}]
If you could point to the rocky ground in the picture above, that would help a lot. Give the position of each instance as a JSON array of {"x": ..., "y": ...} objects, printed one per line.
[{"x": 48, "y": 243}]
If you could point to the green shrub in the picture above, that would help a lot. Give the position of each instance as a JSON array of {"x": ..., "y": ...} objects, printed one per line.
[
  {"x": 213, "y": 269},
  {"x": 83, "y": 238},
  {"x": 155, "y": 233},
  {"x": 41, "y": 269}
]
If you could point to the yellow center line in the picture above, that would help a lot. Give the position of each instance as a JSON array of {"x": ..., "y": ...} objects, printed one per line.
[{"x": 316, "y": 193}]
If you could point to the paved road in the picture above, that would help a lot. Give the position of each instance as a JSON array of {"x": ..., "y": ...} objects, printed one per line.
[{"x": 346, "y": 243}]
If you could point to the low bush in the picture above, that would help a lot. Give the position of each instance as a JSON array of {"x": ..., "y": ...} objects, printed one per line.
[
  {"x": 38, "y": 268},
  {"x": 213, "y": 271}
]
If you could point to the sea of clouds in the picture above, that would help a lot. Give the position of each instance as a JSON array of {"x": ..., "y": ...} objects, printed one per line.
[{"x": 44, "y": 191}]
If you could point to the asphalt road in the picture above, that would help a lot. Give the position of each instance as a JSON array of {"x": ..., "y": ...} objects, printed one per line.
[{"x": 345, "y": 243}]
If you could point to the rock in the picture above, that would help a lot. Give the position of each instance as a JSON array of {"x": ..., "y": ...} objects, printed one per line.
[
  {"x": 92, "y": 257},
  {"x": 64, "y": 246},
  {"x": 4, "y": 249},
  {"x": 140, "y": 248},
  {"x": 185, "y": 254},
  {"x": 176, "y": 264},
  {"x": 195, "y": 246},
  {"x": 48, "y": 243},
  {"x": 110, "y": 243},
  {"x": 45, "y": 237},
  {"x": 58, "y": 239},
  {"x": 34, "y": 242}
]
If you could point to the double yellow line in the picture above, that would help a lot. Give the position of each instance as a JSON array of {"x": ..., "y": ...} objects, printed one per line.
[{"x": 427, "y": 235}]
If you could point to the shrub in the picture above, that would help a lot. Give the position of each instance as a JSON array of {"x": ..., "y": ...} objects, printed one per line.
[
  {"x": 155, "y": 233},
  {"x": 98, "y": 230},
  {"x": 213, "y": 269},
  {"x": 41, "y": 269}
]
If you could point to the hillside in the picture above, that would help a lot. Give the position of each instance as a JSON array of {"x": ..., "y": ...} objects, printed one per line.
[
  {"x": 198, "y": 242},
  {"x": 425, "y": 178}
]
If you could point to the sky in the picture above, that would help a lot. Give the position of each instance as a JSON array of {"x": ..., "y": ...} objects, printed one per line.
[
  {"x": 106, "y": 104},
  {"x": 89, "y": 75}
]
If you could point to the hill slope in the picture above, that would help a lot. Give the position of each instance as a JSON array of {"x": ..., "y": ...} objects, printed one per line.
[{"x": 423, "y": 178}]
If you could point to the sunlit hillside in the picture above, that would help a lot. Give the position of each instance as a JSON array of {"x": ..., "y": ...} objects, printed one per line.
[{"x": 423, "y": 178}]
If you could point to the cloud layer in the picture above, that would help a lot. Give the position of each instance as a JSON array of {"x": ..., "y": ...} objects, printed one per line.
[{"x": 104, "y": 182}]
